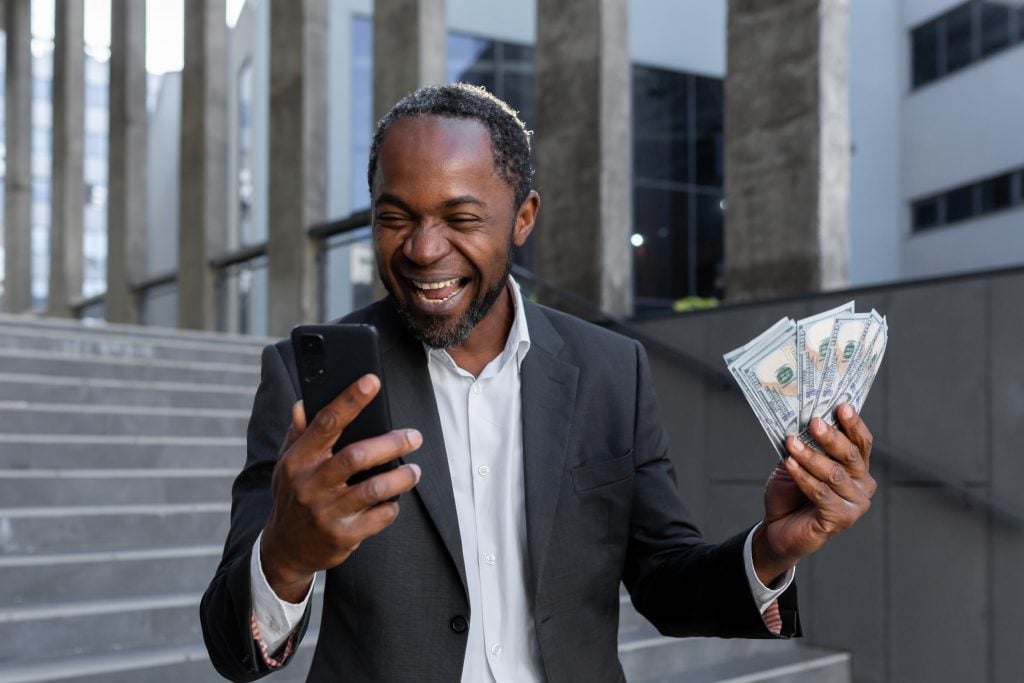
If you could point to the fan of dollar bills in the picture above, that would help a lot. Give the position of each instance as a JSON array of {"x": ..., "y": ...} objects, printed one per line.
[{"x": 796, "y": 371}]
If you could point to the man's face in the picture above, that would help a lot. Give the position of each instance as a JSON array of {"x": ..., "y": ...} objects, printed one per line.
[{"x": 444, "y": 226}]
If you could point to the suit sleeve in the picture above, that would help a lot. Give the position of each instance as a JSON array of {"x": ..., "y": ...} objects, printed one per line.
[
  {"x": 682, "y": 585},
  {"x": 226, "y": 608}
]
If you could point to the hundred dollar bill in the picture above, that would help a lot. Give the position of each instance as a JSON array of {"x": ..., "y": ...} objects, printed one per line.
[
  {"x": 813, "y": 338},
  {"x": 768, "y": 372},
  {"x": 733, "y": 360},
  {"x": 858, "y": 375},
  {"x": 847, "y": 337}
]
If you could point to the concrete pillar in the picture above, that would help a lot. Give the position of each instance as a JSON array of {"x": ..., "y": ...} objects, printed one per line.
[
  {"x": 67, "y": 194},
  {"x": 18, "y": 140},
  {"x": 583, "y": 150},
  {"x": 787, "y": 148},
  {"x": 298, "y": 159},
  {"x": 202, "y": 228},
  {"x": 408, "y": 49},
  {"x": 126, "y": 172}
]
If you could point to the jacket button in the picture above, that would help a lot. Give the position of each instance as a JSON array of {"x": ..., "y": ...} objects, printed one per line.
[{"x": 459, "y": 623}]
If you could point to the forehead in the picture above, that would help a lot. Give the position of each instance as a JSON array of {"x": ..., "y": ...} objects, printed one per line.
[{"x": 434, "y": 144}]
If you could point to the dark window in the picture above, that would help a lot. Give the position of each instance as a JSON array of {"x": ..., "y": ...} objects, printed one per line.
[
  {"x": 926, "y": 213},
  {"x": 997, "y": 193},
  {"x": 661, "y": 270},
  {"x": 995, "y": 27},
  {"x": 661, "y": 102},
  {"x": 960, "y": 204},
  {"x": 959, "y": 50},
  {"x": 710, "y": 245},
  {"x": 926, "y": 53},
  {"x": 709, "y": 154}
]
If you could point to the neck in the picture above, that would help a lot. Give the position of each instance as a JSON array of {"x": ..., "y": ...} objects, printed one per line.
[{"x": 488, "y": 338}]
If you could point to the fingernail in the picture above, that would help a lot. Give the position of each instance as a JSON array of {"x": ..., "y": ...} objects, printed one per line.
[
  {"x": 365, "y": 384},
  {"x": 792, "y": 463},
  {"x": 413, "y": 437},
  {"x": 415, "y": 470},
  {"x": 846, "y": 411},
  {"x": 798, "y": 446},
  {"x": 817, "y": 425}
]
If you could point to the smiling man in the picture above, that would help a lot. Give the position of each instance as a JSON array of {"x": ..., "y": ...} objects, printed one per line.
[{"x": 535, "y": 476}]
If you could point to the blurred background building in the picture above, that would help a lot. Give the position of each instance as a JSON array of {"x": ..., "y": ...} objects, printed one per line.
[{"x": 200, "y": 164}]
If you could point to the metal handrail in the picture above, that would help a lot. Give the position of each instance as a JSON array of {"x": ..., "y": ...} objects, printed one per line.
[
  {"x": 166, "y": 278},
  {"x": 241, "y": 255},
  {"x": 954, "y": 487}
]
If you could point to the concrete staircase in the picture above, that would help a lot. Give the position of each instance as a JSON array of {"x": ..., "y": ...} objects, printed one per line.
[{"x": 118, "y": 445}]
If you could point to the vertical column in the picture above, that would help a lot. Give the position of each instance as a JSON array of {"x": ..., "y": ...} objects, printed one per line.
[
  {"x": 787, "y": 148},
  {"x": 408, "y": 49},
  {"x": 584, "y": 150},
  {"x": 18, "y": 140},
  {"x": 127, "y": 176},
  {"x": 298, "y": 158},
  {"x": 67, "y": 193},
  {"x": 204, "y": 154}
]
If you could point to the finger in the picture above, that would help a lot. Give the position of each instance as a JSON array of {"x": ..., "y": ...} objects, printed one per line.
[
  {"x": 330, "y": 420},
  {"x": 297, "y": 426},
  {"x": 378, "y": 489},
  {"x": 367, "y": 453},
  {"x": 820, "y": 494},
  {"x": 825, "y": 469},
  {"x": 856, "y": 430},
  {"x": 838, "y": 447}
]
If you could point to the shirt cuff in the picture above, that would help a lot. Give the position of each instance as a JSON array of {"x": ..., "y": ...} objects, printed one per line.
[
  {"x": 763, "y": 595},
  {"x": 274, "y": 619}
]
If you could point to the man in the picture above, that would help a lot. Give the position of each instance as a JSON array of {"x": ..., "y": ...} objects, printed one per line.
[{"x": 535, "y": 473}]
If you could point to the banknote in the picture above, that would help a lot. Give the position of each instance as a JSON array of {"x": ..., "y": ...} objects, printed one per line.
[{"x": 795, "y": 371}]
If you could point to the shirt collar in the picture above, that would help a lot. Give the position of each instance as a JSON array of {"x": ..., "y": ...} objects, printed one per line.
[{"x": 517, "y": 344}]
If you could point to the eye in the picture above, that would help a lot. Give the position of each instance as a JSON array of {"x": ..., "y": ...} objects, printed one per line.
[
  {"x": 392, "y": 219},
  {"x": 464, "y": 220}
]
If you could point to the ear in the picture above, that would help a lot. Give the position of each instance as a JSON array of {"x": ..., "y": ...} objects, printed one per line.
[{"x": 526, "y": 216}]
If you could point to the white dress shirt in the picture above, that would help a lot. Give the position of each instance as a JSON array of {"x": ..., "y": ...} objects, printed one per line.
[{"x": 481, "y": 420}]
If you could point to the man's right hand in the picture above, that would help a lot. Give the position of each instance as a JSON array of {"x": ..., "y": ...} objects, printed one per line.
[{"x": 318, "y": 520}]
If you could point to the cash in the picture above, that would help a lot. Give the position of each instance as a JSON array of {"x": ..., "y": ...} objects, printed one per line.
[{"x": 798, "y": 370}]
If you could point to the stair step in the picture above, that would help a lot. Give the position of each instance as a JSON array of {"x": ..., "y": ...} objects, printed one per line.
[
  {"x": 34, "y": 632},
  {"x": 199, "y": 372},
  {"x": 16, "y": 321},
  {"x": 83, "y": 451},
  {"x": 83, "y": 418},
  {"x": 110, "y": 527},
  {"x": 32, "y": 579},
  {"x": 82, "y": 342},
  {"x": 35, "y": 388},
  {"x": 186, "y": 663},
  {"x": 27, "y": 488}
]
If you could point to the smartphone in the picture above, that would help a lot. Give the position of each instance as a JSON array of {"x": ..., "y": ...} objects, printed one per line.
[{"x": 330, "y": 358}]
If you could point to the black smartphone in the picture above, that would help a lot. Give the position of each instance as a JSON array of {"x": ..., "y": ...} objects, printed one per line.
[{"x": 329, "y": 359}]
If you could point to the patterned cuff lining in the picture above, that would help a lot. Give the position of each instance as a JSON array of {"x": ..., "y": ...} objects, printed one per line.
[
  {"x": 289, "y": 645},
  {"x": 771, "y": 616}
]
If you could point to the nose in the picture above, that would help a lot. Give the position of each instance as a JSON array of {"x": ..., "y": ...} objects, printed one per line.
[{"x": 426, "y": 244}]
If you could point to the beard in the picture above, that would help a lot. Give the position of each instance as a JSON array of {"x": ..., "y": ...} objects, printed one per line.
[{"x": 444, "y": 332}]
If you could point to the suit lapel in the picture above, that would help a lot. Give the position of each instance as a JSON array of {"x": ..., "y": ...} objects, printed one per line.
[
  {"x": 549, "y": 396},
  {"x": 411, "y": 402}
]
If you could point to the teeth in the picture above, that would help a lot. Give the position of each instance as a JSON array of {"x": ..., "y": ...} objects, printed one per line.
[{"x": 436, "y": 285}]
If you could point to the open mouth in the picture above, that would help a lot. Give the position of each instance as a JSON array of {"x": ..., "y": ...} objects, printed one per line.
[{"x": 438, "y": 291}]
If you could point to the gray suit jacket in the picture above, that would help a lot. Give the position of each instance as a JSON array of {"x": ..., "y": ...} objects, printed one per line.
[{"x": 601, "y": 507}]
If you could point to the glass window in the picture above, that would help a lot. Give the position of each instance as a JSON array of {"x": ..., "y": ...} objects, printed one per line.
[
  {"x": 661, "y": 254},
  {"x": 710, "y": 245},
  {"x": 660, "y": 124},
  {"x": 362, "y": 108},
  {"x": 709, "y": 154},
  {"x": 960, "y": 204},
  {"x": 926, "y": 213},
  {"x": 925, "y": 41},
  {"x": 997, "y": 193},
  {"x": 995, "y": 27},
  {"x": 959, "y": 50}
]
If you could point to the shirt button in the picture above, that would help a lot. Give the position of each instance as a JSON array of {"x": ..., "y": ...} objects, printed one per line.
[
  {"x": 483, "y": 470},
  {"x": 476, "y": 389},
  {"x": 496, "y": 649},
  {"x": 459, "y": 623},
  {"x": 490, "y": 559}
]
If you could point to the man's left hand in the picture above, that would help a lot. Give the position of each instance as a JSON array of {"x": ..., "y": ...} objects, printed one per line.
[{"x": 812, "y": 495}]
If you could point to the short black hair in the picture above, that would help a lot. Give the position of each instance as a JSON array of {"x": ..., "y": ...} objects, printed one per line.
[{"x": 510, "y": 141}]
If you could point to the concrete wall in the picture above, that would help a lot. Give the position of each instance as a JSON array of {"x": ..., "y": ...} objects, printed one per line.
[
  {"x": 162, "y": 207},
  {"x": 923, "y": 588}
]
